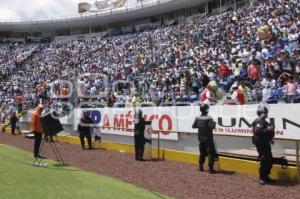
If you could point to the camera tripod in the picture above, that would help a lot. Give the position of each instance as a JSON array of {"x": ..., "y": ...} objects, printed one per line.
[{"x": 54, "y": 149}]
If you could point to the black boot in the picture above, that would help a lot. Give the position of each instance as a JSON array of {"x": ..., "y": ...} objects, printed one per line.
[
  {"x": 211, "y": 169},
  {"x": 269, "y": 180},
  {"x": 201, "y": 168}
]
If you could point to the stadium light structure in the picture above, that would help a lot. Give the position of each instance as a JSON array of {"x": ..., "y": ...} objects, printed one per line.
[
  {"x": 101, "y": 5},
  {"x": 83, "y": 7}
]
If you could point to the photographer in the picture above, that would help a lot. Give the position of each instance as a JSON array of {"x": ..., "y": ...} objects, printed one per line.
[{"x": 263, "y": 134}]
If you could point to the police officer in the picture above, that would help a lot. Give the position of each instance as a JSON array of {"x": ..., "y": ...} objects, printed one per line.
[
  {"x": 13, "y": 122},
  {"x": 263, "y": 134},
  {"x": 85, "y": 130},
  {"x": 205, "y": 125},
  {"x": 139, "y": 138}
]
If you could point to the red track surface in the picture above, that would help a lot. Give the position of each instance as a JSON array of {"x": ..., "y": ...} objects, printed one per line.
[{"x": 175, "y": 179}]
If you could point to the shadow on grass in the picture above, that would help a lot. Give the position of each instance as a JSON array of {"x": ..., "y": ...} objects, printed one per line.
[{"x": 59, "y": 165}]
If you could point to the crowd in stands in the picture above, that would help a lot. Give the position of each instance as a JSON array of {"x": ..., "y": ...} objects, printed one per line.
[
  {"x": 237, "y": 57},
  {"x": 12, "y": 56}
]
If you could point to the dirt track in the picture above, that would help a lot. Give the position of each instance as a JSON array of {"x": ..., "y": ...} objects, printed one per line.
[{"x": 175, "y": 179}]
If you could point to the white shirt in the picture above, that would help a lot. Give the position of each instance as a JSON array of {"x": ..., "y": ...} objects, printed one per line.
[
  {"x": 234, "y": 97},
  {"x": 266, "y": 92},
  {"x": 246, "y": 56}
]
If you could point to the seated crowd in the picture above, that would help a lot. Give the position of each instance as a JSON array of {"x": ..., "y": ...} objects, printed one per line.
[{"x": 237, "y": 57}]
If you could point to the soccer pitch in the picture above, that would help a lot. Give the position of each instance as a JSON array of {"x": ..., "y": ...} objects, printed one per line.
[{"x": 20, "y": 180}]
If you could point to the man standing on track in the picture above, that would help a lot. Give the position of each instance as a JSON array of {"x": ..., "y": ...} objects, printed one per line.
[
  {"x": 263, "y": 134},
  {"x": 85, "y": 130},
  {"x": 139, "y": 138},
  {"x": 205, "y": 125},
  {"x": 37, "y": 129},
  {"x": 13, "y": 123}
]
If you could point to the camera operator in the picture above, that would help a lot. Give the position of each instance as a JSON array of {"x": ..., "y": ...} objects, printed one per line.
[{"x": 37, "y": 129}]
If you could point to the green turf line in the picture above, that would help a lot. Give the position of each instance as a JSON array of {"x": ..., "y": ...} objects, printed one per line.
[{"x": 20, "y": 180}]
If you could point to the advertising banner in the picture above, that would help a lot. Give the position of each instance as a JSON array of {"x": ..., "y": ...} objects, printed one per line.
[
  {"x": 231, "y": 120},
  {"x": 119, "y": 121},
  {"x": 237, "y": 120}
]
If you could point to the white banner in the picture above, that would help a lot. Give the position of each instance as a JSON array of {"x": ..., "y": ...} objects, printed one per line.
[
  {"x": 231, "y": 120},
  {"x": 237, "y": 120},
  {"x": 119, "y": 121}
]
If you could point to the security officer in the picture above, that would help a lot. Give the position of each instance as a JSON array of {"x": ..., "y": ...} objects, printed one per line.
[
  {"x": 139, "y": 138},
  {"x": 85, "y": 130},
  {"x": 205, "y": 125},
  {"x": 13, "y": 122},
  {"x": 263, "y": 134}
]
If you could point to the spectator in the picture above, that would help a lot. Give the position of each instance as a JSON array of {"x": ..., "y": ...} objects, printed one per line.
[
  {"x": 208, "y": 96},
  {"x": 237, "y": 96},
  {"x": 291, "y": 89},
  {"x": 253, "y": 72}
]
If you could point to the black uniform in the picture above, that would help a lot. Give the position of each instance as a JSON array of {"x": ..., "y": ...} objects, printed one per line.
[
  {"x": 205, "y": 125},
  {"x": 13, "y": 123},
  {"x": 139, "y": 138},
  {"x": 85, "y": 130},
  {"x": 262, "y": 138}
]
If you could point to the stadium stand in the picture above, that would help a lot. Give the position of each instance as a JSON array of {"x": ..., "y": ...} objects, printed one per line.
[{"x": 242, "y": 56}]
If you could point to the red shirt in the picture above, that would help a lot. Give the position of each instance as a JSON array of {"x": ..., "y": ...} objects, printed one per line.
[
  {"x": 224, "y": 71},
  {"x": 253, "y": 72},
  {"x": 240, "y": 97}
]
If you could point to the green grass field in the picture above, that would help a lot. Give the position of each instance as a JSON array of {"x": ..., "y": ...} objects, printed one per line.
[{"x": 20, "y": 180}]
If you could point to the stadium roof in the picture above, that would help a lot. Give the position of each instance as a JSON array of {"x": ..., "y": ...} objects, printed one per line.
[{"x": 106, "y": 17}]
